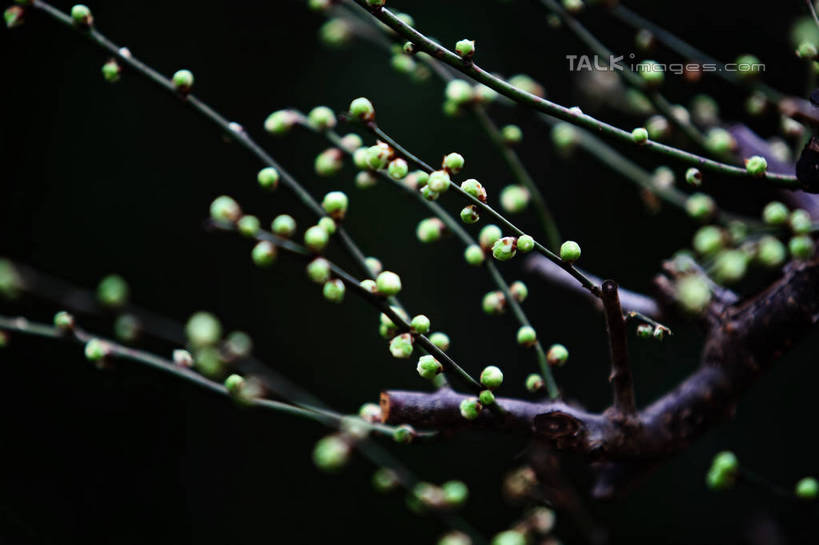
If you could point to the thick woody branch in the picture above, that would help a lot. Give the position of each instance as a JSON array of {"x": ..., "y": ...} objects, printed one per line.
[
  {"x": 620, "y": 378},
  {"x": 743, "y": 341}
]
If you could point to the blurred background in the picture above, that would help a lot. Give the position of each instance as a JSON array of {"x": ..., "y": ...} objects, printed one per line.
[{"x": 102, "y": 178}]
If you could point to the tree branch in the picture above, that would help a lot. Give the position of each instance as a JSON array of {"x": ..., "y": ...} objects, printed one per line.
[{"x": 620, "y": 378}]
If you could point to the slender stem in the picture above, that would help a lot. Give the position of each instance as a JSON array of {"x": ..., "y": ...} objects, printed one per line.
[
  {"x": 469, "y": 68},
  {"x": 568, "y": 267},
  {"x": 522, "y": 176},
  {"x": 323, "y": 416},
  {"x": 812, "y": 11},
  {"x": 631, "y": 78},
  {"x": 237, "y": 134},
  {"x": 620, "y": 377}
]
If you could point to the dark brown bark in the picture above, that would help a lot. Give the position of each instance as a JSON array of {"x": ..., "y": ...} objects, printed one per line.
[
  {"x": 620, "y": 378},
  {"x": 742, "y": 341}
]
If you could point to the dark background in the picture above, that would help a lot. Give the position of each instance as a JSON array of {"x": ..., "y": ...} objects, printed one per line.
[{"x": 99, "y": 179}]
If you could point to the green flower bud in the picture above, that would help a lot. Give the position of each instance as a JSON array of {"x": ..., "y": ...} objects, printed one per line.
[
  {"x": 693, "y": 176},
  {"x": 379, "y": 155},
  {"x": 527, "y": 336},
  {"x": 489, "y": 235},
  {"x": 748, "y": 66},
  {"x": 514, "y": 198},
  {"x": 351, "y": 143},
  {"x": 428, "y": 367},
  {"x": 331, "y": 453},
  {"x": 113, "y": 291},
  {"x": 322, "y": 118},
  {"x": 771, "y": 252},
  {"x": 401, "y": 346},
  {"x": 362, "y": 109},
  {"x": 439, "y": 181},
  {"x": 525, "y": 244},
  {"x": 470, "y": 408},
  {"x": 127, "y": 328},
  {"x": 370, "y": 412},
  {"x": 494, "y": 303},
  {"x": 440, "y": 341},
  {"x": 452, "y": 163},
  {"x": 564, "y": 137},
  {"x": 329, "y": 162},
  {"x": 238, "y": 345},
  {"x": 700, "y": 206},
  {"x": 182, "y": 81},
  {"x": 203, "y": 329},
  {"x": 235, "y": 385},
  {"x": 64, "y": 321},
  {"x": 208, "y": 361},
  {"x": 454, "y": 538},
  {"x": 385, "y": 480},
  {"x": 333, "y": 290},
  {"x": 182, "y": 358},
  {"x": 268, "y": 178},
  {"x": 403, "y": 64},
  {"x": 511, "y": 134},
  {"x": 417, "y": 179},
  {"x": 319, "y": 5},
  {"x": 458, "y": 92},
  {"x": 527, "y": 84},
  {"x": 13, "y": 16},
  {"x": 519, "y": 291},
  {"x": 316, "y": 238},
  {"x": 283, "y": 225},
  {"x": 335, "y": 204},
  {"x": 455, "y": 492},
  {"x": 492, "y": 377},
  {"x": 336, "y": 32},
  {"x": 81, "y": 15},
  {"x": 807, "y": 51},
  {"x": 465, "y": 48},
  {"x": 280, "y": 122},
  {"x": 504, "y": 249},
  {"x": 639, "y": 135},
  {"x": 376, "y": 4},
  {"x": 318, "y": 270},
  {"x": 328, "y": 224},
  {"x": 756, "y": 165},
  {"x": 708, "y": 240},
  {"x": 361, "y": 157},
  {"x": 388, "y": 283},
  {"x": 534, "y": 382},
  {"x": 807, "y": 488},
  {"x": 248, "y": 226},
  {"x": 398, "y": 169},
  {"x": 374, "y": 265},
  {"x": 429, "y": 194},
  {"x": 408, "y": 48},
  {"x": 801, "y": 247},
  {"x": 474, "y": 188},
  {"x": 368, "y": 285},
  {"x": 775, "y": 213},
  {"x": 645, "y": 331},
  {"x": 557, "y": 355},
  {"x": 429, "y": 230},
  {"x": 509, "y": 537},
  {"x": 473, "y": 254},
  {"x": 225, "y": 209},
  {"x": 693, "y": 293},
  {"x": 365, "y": 180},
  {"x": 719, "y": 141},
  {"x": 800, "y": 222},
  {"x": 723, "y": 472},
  {"x": 264, "y": 253},
  {"x": 469, "y": 214},
  {"x": 96, "y": 350},
  {"x": 570, "y": 251},
  {"x": 111, "y": 71},
  {"x": 730, "y": 266},
  {"x": 651, "y": 72},
  {"x": 658, "y": 127},
  {"x": 420, "y": 324},
  {"x": 486, "y": 397}
]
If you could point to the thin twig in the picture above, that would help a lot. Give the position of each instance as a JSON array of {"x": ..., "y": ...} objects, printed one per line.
[{"x": 620, "y": 378}]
